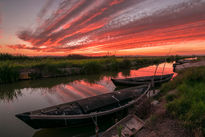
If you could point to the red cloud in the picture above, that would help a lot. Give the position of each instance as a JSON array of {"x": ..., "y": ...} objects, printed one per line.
[{"x": 116, "y": 25}]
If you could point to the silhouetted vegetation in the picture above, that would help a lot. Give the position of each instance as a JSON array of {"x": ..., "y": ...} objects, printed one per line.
[
  {"x": 92, "y": 67},
  {"x": 8, "y": 73},
  {"x": 6, "y": 56}
]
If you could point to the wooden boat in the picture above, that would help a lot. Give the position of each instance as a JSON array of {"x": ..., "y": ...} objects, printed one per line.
[
  {"x": 182, "y": 61},
  {"x": 128, "y": 127},
  {"x": 84, "y": 111},
  {"x": 158, "y": 79}
]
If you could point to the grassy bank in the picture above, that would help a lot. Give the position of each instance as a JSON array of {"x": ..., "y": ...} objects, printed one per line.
[
  {"x": 188, "y": 102},
  {"x": 12, "y": 66}
]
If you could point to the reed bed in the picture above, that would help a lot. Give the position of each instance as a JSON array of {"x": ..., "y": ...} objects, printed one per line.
[{"x": 12, "y": 66}]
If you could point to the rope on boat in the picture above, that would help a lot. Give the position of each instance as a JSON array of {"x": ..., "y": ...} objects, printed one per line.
[
  {"x": 66, "y": 124},
  {"x": 117, "y": 100},
  {"x": 95, "y": 121}
]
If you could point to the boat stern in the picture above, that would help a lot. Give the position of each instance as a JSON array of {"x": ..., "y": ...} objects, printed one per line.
[{"x": 25, "y": 117}]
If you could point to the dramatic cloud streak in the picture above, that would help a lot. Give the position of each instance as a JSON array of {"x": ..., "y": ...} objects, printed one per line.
[
  {"x": 0, "y": 23},
  {"x": 100, "y": 26},
  {"x": 44, "y": 10}
]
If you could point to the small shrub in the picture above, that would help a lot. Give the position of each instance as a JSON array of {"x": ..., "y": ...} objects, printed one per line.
[
  {"x": 126, "y": 64},
  {"x": 170, "y": 97},
  {"x": 112, "y": 65},
  {"x": 8, "y": 73},
  {"x": 119, "y": 130},
  {"x": 92, "y": 67},
  {"x": 35, "y": 75}
]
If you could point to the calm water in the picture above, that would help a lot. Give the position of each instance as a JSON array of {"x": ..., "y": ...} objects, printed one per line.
[{"x": 30, "y": 95}]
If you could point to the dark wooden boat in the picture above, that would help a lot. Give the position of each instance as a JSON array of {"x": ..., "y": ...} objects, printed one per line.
[
  {"x": 158, "y": 79},
  {"x": 84, "y": 111}
]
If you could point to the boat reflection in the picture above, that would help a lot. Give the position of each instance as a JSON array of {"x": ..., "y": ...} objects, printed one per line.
[
  {"x": 66, "y": 132},
  {"x": 86, "y": 131}
]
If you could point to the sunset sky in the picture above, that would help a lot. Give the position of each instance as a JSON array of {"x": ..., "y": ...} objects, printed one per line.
[{"x": 99, "y": 27}]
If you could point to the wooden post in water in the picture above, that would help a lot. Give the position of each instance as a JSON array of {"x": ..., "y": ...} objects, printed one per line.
[
  {"x": 96, "y": 130},
  {"x": 96, "y": 126}
]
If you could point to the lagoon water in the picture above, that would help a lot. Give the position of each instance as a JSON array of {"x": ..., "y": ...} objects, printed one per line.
[{"x": 30, "y": 95}]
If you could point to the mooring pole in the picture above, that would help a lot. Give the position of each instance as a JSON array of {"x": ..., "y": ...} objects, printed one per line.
[
  {"x": 96, "y": 125},
  {"x": 96, "y": 130},
  {"x": 153, "y": 78},
  {"x": 166, "y": 61}
]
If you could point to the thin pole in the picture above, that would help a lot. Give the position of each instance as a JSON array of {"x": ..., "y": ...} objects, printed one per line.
[
  {"x": 96, "y": 126},
  {"x": 165, "y": 62},
  {"x": 153, "y": 78}
]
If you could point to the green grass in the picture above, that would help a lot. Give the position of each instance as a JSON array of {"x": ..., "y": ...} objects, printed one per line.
[
  {"x": 188, "y": 103},
  {"x": 8, "y": 73},
  {"x": 170, "y": 97}
]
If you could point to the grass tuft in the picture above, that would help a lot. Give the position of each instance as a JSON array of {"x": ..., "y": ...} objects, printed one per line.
[{"x": 8, "y": 73}]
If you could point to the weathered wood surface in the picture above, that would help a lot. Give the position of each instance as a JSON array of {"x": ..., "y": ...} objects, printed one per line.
[{"x": 127, "y": 127}]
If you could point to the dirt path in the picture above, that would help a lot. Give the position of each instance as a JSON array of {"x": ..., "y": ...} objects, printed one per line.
[{"x": 159, "y": 124}]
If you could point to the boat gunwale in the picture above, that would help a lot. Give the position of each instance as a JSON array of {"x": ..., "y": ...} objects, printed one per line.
[
  {"x": 125, "y": 81},
  {"x": 64, "y": 105},
  {"x": 145, "y": 77}
]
